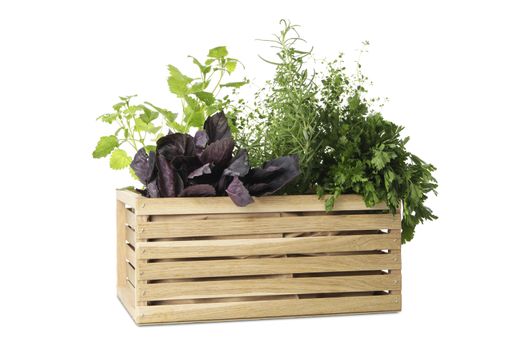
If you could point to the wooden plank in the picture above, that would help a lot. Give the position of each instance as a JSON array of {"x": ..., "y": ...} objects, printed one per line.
[
  {"x": 248, "y": 226},
  {"x": 128, "y": 197},
  {"x": 267, "y": 308},
  {"x": 265, "y": 246},
  {"x": 127, "y": 298},
  {"x": 121, "y": 244},
  {"x": 219, "y": 205},
  {"x": 130, "y": 236},
  {"x": 131, "y": 219},
  {"x": 266, "y": 266},
  {"x": 130, "y": 274},
  {"x": 265, "y": 287},
  {"x": 130, "y": 256},
  {"x": 140, "y": 284}
]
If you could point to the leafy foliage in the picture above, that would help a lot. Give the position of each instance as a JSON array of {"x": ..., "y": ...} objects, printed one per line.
[
  {"x": 284, "y": 120},
  {"x": 135, "y": 129},
  {"x": 344, "y": 146},
  {"x": 201, "y": 96},
  {"x": 185, "y": 166},
  {"x": 139, "y": 126}
]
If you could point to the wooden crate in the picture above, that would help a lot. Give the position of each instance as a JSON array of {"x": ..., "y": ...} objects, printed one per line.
[{"x": 204, "y": 259}]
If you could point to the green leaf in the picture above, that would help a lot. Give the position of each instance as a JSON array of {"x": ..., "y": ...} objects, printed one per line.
[
  {"x": 140, "y": 125},
  {"x": 118, "y": 106},
  {"x": 198, "y": 64},
  {"x": 168, "y": 115},
  {"x": 218, "y": 52},
  {"x": 126, "y": 99},
  {"x": 197, "y": 119},
  {"x": 198, "y": 87},
  {"x": 380, "y": 159},
  {"x": 235, "y": 84},
  {"x": 178, "y": 82},
  {"x": 105, "y": 145},
  {"x": 230, "y": 66},
  {"x": 209, "y": 61},
  {"x": 206, "y": 97},
  {"x": 108, "y": 118},
  {"x": 148, "y": 115},
  {"x": 119, "y": 159}
]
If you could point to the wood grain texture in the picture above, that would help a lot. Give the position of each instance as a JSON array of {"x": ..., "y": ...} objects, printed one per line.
[
  {"x": 130, "y": 236},
  {"x": 263, "y": 309},
  {"x": 130, "y": 218},
  {"x": 203, "y": 259},
  {"x": 264, "y": 287},
  {"x": 121, "y": 244},
  {"x": 130, "y": 256},
  {"x": 128, "y": 197},
  {"x": 224, "y": 205},
  {"x": 253, "y": 225},
  {"x": 267, "y": 266},
  {"x": 268, "y": 246}
]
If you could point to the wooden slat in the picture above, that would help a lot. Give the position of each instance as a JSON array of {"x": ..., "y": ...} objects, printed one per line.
[
  {"x": 131, "y": 219},
  {"x": 264, "y": 287},
  {"x": 130, "y": 274},
  {"x": 121, "y": 245},
  {"x": 266, "y": 266},
  {"x": 130, "y": 236},
  {"x": 236, "y": 247},
  {"x": 218, "y": 205},
  {"x": 262, "y": 309},
  {"x": 128, "y": 197},
  {"x": 288, "y": 224},
  {"x": 130, "y": 256}
]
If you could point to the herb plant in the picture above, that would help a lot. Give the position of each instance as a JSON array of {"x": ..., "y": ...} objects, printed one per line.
[
  {"x": 201, "y": 96},
  {"x": 285, "y": 116},
  {"x": 344, "y": 145},
  {"x": 139, "y": 126}
]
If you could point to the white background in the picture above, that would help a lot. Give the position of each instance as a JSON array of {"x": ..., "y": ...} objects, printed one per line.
[{"x": 454, "y": 73}]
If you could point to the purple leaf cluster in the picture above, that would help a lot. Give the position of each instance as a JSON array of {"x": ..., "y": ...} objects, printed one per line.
[{"x": 204, "y": 165}]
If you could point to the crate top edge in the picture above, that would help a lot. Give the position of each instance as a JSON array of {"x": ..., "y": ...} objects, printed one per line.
[{"x": 224, "y": 205}]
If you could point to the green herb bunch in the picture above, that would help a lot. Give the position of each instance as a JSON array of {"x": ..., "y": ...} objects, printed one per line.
[
  {"x": 284, "y": 119},
  {"x": 345, "y": 146}
]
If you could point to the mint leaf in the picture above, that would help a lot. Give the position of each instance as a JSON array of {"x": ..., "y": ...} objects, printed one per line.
[
  {"x": 218, "y": 52},
  {"x": 119, "y": 159},
  {"x": 105, "y": 145},
  {"x": 178, "y": 82},
  {"x": 230, "y": 66},
  {"x": 206, "y": 97}
]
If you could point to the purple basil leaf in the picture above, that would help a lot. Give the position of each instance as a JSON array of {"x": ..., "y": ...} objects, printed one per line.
[
  {"x": 152, "y": 189},
  {"x": 274, "y": 175},
  {"x": 205, "y": 169},
  {"x": 219, "y": 153},
  {"x": 238, "y": 193},
  {"x": 201, "y": 139},
  {"x": 239, "y": 165},
  {"x": 176, "y": 145},
  {"x": 202, "y": 190},
  {"x": 217, "y": 127},
  {"x": 169, "y": 181},
  {"x": 223, "y": 183},
  {"x": 144, "y": 165}
]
